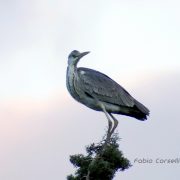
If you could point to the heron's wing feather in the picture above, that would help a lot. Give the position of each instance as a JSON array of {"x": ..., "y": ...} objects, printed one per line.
[{"x": 103, "y": 88}]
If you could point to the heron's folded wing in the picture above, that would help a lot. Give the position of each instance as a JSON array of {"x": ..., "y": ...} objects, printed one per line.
[{"x": 102, "y": 87}]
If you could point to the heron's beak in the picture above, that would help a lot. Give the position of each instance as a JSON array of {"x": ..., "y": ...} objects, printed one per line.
[{"x": 83, "y": 54}]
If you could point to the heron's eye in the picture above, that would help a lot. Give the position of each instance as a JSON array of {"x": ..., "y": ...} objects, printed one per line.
[{"x": 73, "y": 55}]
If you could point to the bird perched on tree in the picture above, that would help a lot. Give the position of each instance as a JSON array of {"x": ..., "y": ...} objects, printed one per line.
[{"x": 99, "y": 92}]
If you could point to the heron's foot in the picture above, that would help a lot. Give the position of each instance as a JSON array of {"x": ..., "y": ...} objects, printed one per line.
[{"x": 111, "y": 128}]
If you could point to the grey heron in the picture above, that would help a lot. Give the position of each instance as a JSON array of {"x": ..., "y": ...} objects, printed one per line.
[{"x": 99, "y": 92}]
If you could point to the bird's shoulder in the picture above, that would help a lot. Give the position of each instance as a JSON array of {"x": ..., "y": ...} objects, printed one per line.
[{"x": 90, "y": 74}]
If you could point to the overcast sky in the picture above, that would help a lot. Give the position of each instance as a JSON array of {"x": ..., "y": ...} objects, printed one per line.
[{"x": 134, "y": 42}]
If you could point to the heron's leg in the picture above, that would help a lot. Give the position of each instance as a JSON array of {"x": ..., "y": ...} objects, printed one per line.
[
  {"x": 109, "y": 122},
  {"x": 115, "y": 123},
  {"x": 109, "y": 125}
]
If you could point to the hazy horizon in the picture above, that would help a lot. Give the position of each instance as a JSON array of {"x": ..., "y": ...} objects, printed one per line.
[{"x": 136, "y": 43}]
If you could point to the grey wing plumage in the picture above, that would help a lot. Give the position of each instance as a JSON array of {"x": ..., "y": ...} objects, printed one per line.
[{"x": 103, "y": 88}]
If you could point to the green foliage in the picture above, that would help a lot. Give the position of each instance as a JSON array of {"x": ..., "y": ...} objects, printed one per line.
[{"x": 102, "y": 161}]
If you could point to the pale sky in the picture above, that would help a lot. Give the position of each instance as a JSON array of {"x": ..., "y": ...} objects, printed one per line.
[{"x": 134, "y": 42}]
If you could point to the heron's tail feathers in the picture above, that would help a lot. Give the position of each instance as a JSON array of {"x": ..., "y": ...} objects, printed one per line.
[{"x": 140, "y": 111}]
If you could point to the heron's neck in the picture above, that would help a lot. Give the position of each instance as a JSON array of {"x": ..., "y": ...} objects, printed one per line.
[
  {"x": 71, "y": 71},
  {"x": 70, "y": 76}
]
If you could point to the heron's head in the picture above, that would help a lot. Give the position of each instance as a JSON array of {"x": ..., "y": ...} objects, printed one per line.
[{"x": 75, "y": 56}]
